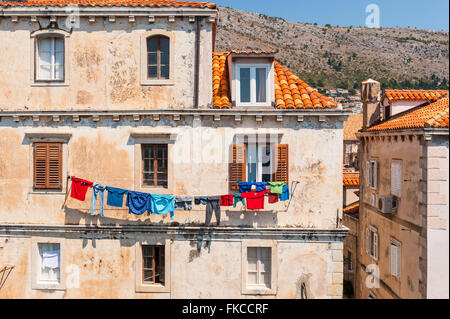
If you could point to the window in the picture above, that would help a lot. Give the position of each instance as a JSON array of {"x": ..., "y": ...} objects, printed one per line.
[
  {"x": 372, "y": 174},
  {"x": 47, "y": 166},
  {"x": 253, "y": 86},
  {"x": 50, "y": 58},
  {"x": 154, "y": 160},
  {"x": 349, "y": 261},
  {"x": 50, "y": 263},
  {"x": 372, "y": 242},
  {"x": 396, "y": 178},
  {"x": 153, "y": 264},
  {"x": 395, "y": 258},
  {"x": 158, "y": 57},
  {"x": 253, "y": 162},
  {"x": 259, "y": 260}
]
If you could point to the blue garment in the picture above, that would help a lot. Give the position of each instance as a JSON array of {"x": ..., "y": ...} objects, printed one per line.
[
  {"x": 246, "y": 187},
  {"x": 201, "y": 200},
  {"x": 138, "y": 203},
  {"x": 285, "y": 195},
  {"x": 115, "y": 196},
  {"x": 96, "y": 190},
  {"x": 162, "y": 204}
]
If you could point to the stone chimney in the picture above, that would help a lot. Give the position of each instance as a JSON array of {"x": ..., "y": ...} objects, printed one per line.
[{"x": 370, "y": 97}]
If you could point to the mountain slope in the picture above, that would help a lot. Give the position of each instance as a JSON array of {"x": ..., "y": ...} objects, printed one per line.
[{"x": 328, "y": 56}]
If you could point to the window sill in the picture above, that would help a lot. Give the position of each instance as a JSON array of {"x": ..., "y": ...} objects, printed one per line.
[
  {"x": 61, "y": 193},
  {"x": 152, "y": 288},
  {"x": 154, "y": 190},
  {"x": 49, "y": 83},
  {"x": 48, "y": 286},
  {"x": 157, "y": 82},
  {"x": 259, "y": 291}
]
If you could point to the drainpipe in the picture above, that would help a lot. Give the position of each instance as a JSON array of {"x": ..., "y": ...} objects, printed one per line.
[{"x": 197, "y": 63}]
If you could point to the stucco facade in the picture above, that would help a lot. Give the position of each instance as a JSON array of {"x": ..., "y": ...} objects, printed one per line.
[{"x": 102, "y": 114}]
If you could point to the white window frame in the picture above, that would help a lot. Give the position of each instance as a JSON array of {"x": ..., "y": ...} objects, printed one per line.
[
  {"x": 259, "y": 151},
  {"x": 140, "y": 286},
  {"x": 247, "y": 289},
  {"x": 269, "y": 85},
  {"x": 36, "y": 282},
  {"x": 372, "y": 247},
  {"x": 395, "y": 258},
  {"x": 396, "y": 178},
  {"x": 34, "y": 57}
]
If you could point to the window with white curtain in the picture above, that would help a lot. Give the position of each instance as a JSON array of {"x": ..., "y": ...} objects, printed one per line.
[
  {"x": 50, "y": 262},
  {"x": 50, "y": 58},
  {"x": 395, "y": 258},
  {"x": 253, "y": 86},
  {"x": 372, "y": 174},
  {"x": 396, "y": 178}
]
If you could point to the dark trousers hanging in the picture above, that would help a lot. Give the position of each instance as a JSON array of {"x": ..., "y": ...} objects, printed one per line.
[{"x": 213, "y": 204}]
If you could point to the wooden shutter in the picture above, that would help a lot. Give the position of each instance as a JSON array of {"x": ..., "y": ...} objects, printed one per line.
[
  {"x": 367, "y": 240},
  {"x": 375, "y": 175},
  {"x": 396, "y": 178},
  {"x": 282, "y": 164},
  {"x": 237, "y": 166},
  {"x": 47, "y": 165}
]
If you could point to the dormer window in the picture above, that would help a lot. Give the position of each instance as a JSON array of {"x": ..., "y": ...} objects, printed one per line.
[{"x": 252, "y": 84}]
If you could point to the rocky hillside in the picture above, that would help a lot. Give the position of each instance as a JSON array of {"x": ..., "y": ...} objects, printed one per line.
[{"x": 331, "y": 56}]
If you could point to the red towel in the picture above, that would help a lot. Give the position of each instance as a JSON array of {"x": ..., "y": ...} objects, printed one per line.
[
  {"x": 79, "y": 188},
  {"x": 273, "y": 198},
  {"x": 255, "y": 200},
  {"x": 226, "y": 200}
]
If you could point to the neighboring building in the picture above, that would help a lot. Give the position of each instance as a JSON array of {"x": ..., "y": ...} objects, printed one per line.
[
  {"x": 351, "y": 221},
  {"x": 351, "y": 142},
  {"x": 135, "y": 97},
  {"x": 403, "y": 214}
]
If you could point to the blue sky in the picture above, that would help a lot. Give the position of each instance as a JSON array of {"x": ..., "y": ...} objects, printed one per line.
[{"x": 422, "y": 14}]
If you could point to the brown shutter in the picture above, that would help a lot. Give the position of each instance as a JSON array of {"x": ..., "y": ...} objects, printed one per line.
[
  {"x": 47, "y": 165},
  {"x": 282, "y": 163},
  {"x": 237, "y": 172}
]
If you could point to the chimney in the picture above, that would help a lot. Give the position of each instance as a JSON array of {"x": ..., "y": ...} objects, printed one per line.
[{"x": 370, "y": 97}]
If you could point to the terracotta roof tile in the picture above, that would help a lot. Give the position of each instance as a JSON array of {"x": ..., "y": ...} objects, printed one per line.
[
  {"x": 434, "y": 115},
  {"x": 352, "y": 126},
  {"x": 108, "y": 3},
  {"x": 290, "y": 90},
  {"x": 351, "y": 179},
  {"x": 352, "y": 210},
  {"x": 415, "y": 95}
]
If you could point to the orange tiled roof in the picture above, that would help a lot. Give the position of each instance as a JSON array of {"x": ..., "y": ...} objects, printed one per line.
[
  {"x": 353, "y": 124},
  {"x": 351, "y": 179},
  {"x": 415, "y": 95},
  {"x": 290, "y": 90},
  {"x": 352, "y": 210},
  {"x": 108, "y": 3},
  {"x": 434, "y": 115}
]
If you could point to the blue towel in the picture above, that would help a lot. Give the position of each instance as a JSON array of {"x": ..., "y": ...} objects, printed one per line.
[
  {"x": 115, "y": 196},
  {"x": 245, "y": 187},
  {"x": 163, "y": 204},
  {"x": 138, "y": 203},
  {"x": 285, "y": 195}
]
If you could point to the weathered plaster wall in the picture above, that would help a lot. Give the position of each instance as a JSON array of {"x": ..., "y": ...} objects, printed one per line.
[
  {"x": 198, "y": 165},
  {"x": 104, "y": 66},
  {"x": 106, "y": 269},
  {"x": 437, "y": 218},
  {"x": 351, "y": 245}
]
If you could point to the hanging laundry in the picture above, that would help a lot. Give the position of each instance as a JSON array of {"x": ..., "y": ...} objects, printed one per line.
[
  {"x": 201, "y": 200},
  {"x": 285, "y": 195},
  {"x": 162, "y": 205},
  {"x": 183, "y": 203},
  {"x": 255, "y": 200},
  {"x": 273, "y": 198},
  {"x": 245, "y": 187},
  {"x": 50, "y": 259},
  {"x": 213, "y": 205},
  {"x": 138, "y": 203},
  {"x": 97, "y": 190},
  {"x": 276, "y": 187},
  {"x": 79, "y": 188},
  {"x": 238, "y": 198},
  {"x": 226, "y": 200},
  {"x": 115, "y": 196}
]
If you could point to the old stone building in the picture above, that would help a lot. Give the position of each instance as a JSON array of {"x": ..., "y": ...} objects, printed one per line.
[
  {"x": 130, "y": 94},
  {"x": 403, "y": 216}
]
